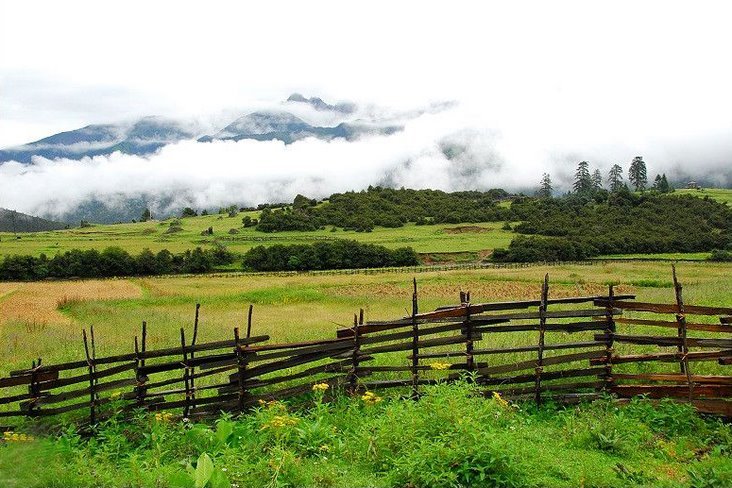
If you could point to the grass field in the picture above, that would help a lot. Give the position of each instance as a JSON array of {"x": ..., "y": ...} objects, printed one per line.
[
  {"x": 45, "y": 318},
  {"x": 450, "y": 438},
  {"x": 135, "y": 237},
  {"x": 449, "y": 242},
  {"x": 719, "y": 194}
]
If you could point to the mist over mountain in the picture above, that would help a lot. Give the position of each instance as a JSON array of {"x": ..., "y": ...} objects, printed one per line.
[
  {"x": 144, "y": 136},
  {"x": 149, "y": 134},
  {"x": 272, "y": 151},
  {"x": 286, "y": 127}
]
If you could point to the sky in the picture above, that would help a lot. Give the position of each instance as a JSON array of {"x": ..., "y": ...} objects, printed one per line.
[{"x": 535, "y": 85}]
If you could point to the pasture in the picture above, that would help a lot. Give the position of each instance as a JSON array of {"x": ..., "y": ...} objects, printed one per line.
[
  {"x": 451, "y": 437},
  {"x": 45, "y": 318},
  {"x": 441, "y": 242}
]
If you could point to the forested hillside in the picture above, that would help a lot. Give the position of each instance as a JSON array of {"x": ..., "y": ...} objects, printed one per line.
[{"x": 12, "y": 221}]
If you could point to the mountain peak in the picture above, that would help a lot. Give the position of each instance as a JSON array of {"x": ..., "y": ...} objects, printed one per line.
[{"x": 319, "y": 104}]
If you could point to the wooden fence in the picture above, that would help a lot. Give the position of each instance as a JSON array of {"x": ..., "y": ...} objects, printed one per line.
[{"x": 558, "y": 349}]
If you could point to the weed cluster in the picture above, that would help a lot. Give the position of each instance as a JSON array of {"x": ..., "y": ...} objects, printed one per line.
[{"x": 451, "y": 437}]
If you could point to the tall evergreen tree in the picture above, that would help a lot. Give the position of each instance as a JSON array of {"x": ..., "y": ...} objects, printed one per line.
[
  {"x": 637, "y": 174},
  {"x": 146, "y": 215},
  {"x": 545, "y": 187},
  {"x": 657, "y": 183},
  {"x": 615, "y": 178},
  {"x": 597, "y": 180},
  {"x": 582, "y": 179},
  {"x": 665, "y": 187}
]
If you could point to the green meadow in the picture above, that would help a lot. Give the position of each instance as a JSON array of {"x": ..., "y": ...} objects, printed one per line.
[
  {"x": 443, "y": 242},
  {"x": 452, "y": 437}
]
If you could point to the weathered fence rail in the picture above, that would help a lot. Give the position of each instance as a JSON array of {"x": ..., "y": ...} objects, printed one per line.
[{"x": 558, "y": 349}]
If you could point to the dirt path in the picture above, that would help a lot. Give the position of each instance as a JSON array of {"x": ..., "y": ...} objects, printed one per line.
[{"x": 38, "y": 302}]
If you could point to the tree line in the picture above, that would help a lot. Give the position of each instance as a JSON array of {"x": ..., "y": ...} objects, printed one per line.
[
  {"x": 338, "y": 254},
  {"x": 385, "y": 207},
  {"x": 575, "y": 227},
  {"x": 112, "y": 261},
  {"x": 588, "y": 183}
]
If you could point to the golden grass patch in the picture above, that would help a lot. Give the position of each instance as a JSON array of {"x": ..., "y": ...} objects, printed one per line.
[{"x": 39, "y": 302}]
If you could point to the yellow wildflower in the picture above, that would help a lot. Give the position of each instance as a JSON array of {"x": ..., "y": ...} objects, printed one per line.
[
  {"x": 163, "y": 416},
  {"x": 116, "y": 395},
  {"x": 440, "y": 366},
  {"x": 500, "y": 400},
  {"x": 280, "y": 421},
  {"x": 370, "y": 398},
  {"x": 10, "y": 436},
  {"x": 324, "y": 448},
  {"x": 321, "y": 387}
]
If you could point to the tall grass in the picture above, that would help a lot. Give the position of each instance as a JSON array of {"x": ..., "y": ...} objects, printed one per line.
[{"x": 450, "y": 438}]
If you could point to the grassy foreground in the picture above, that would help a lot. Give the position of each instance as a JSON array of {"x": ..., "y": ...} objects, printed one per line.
[{"x": 450, "y": 438}]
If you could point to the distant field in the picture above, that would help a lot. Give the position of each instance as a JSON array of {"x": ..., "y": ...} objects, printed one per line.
[
  {"x": 135, "y": 237},
  {"x": 718, "y": 194},
  {"x": 469, "y": 242},
  {"x": 668, "y": 256}
]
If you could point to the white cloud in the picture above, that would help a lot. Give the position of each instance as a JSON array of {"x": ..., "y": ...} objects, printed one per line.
[
  {"x": 209, "y": 175},
  {"x": 540, "y": 85}
]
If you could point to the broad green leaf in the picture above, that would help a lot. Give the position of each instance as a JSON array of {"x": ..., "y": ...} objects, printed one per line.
[
  {"x": 204, "y": 470},
  {"x": 219, "y": 479}
]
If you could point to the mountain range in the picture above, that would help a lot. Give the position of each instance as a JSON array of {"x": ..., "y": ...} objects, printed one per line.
[{"x": 148, "y": 134}]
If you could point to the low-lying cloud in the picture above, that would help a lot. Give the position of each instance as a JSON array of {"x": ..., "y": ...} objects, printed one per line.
[{"x": 449, "y": 149}]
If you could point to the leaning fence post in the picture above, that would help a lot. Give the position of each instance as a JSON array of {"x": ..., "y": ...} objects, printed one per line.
[
  {"x": 610, "y": 337},
  {"x": 469, "y": 361},
  {"x": 241, "y": 364},
  {"x": 249, "y": 321},
  {"x": 683, "y": 347},
  {"x": 192, "y": 371},
  {"x": 542, "y": 329},
  {"x": 355, "y": 356},
  {"x": 92, "y": 368},
  {"x": 186, "y": 376},
  {"x": 415, "y": 342}
]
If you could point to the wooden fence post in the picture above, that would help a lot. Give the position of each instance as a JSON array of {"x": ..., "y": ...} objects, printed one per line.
[
  {"x": 192, "y": 370},
  {"x": 186, "y": 376},
  {"x": 610, "y": 333},
  {"x": 241, "y": 362},
  {"x": 542, "y": 328},
  {"x": 683, "y": 348},
  {"x": 140, "y": 349},
  {"x": 415, "y": 342},
  {"x": 469, "y": 361},
  {"x": 90, "y": 361},
  {"x": 33, "y": 388},
  {"x": 355, "y": 356},
  {"x": 249, "y": 321}
]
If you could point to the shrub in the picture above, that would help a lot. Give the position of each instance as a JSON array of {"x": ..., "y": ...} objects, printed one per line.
[
  {"x": 338, "y": 254},
  {"x": 720, "y": 255}
]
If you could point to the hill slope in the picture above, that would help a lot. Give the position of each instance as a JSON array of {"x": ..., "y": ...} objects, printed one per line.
[{"x": 12, "y": 221}]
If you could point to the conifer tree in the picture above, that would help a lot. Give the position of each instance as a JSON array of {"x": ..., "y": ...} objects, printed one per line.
[
  {"x": 615, "y": 178},
  {"x": 582, "y": 179},
  {"x": 545, "y": 187},
  {"x": 637, "y": 174},
  {"x": 597, "y": 180}
]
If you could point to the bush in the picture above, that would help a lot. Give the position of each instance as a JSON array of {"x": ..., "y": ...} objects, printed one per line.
[
  {"x": 112, "y": 261},
  {"x": 339, "y": 254},
  {"x": 720, "y": 255}
]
